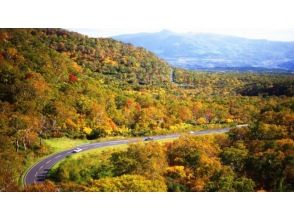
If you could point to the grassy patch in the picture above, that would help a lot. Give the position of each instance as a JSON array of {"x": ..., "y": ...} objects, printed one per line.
[
  {"x": 64, "y": 143},
  {"x": 99, "y": 150}
]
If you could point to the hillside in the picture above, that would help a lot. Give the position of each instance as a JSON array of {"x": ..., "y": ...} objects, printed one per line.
[
  {"x": 215, "y": 52},
  {"x": 55, "y": 83},
  {"x": 106, "y": 56}
]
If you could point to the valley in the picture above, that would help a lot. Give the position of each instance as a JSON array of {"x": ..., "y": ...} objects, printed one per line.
[{"x": 213, "y": 52}]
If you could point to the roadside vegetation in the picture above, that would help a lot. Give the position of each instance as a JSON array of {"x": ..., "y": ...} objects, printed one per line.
[
  {"x": 254, "y": 158},
  {"x": 64, "y": 143}
]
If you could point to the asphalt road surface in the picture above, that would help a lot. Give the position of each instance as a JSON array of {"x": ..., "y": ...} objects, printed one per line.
[{"x": 38, "y": 172}]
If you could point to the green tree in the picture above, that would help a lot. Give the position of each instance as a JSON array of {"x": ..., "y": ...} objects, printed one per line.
[
  {"x": 235, "y": 156},
  {"x": 225, "y": 180}
]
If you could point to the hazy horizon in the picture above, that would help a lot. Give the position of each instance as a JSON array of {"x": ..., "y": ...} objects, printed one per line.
[{"x": 286, "y": 35}]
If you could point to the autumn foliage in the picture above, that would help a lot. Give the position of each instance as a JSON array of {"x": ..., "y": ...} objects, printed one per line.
[
  {"x": 55, "y": 83},
  {"x": 72, "y": 78}
]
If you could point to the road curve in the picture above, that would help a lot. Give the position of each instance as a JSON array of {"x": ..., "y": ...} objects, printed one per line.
[{"x": 38, "y": 172}]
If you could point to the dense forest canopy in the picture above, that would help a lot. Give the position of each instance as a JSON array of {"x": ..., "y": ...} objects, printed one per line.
[
  {"x": 235, "y": 83},
  {"x": 55, "y": 83}
]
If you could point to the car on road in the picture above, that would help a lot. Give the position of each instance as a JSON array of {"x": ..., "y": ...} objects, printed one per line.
[
  {"x": 191, "y": 132},
  {"x": 148, "y": 139},
  {"x": 77, "y": 150},
  {"x": 241, "y": 126}
]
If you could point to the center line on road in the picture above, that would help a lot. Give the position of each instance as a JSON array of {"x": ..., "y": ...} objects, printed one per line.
[
  {"x": 57, "y": 156},
  {"x": 48, "y": 161}
]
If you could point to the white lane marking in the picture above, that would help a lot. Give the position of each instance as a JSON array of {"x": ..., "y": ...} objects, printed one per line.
[
  {"x": 58, "y": 156},
  {"x": 48, "y": 161},
  {"x": 41, "y": 167},
  {"x": 36, "y": 174}
]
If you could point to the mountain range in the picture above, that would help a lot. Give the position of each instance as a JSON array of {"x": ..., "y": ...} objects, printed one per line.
[{"x": 215, "y": 52}]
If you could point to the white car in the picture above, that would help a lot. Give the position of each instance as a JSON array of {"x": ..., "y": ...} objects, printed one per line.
[
  {"x": 77, "y": 150},
  {"x": 191, "y": 132},
  {"x": 241, "y": 126}
]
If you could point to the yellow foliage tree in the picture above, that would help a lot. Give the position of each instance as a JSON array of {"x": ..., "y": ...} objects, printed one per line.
[
  {"x": 201, "y": 121},
  {"x": 87, "y": 130}
]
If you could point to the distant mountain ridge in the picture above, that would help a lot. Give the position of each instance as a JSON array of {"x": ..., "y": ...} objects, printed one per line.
[{"x": 215, "y": 52}]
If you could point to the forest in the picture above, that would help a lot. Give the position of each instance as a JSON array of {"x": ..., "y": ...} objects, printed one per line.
[{"x": 60, "y": 84}]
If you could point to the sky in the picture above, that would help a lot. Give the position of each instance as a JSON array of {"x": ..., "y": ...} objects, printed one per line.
[
  {"x": 267, "y": 19},
  {"x": 257, "y": 19}
]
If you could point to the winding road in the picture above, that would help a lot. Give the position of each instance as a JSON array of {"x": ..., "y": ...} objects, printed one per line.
[{"x": 39, "y": 172}]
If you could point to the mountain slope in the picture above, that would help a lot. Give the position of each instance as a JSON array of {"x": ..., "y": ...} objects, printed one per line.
[
  {"x": 110, "y": 57},
  {"x": 98, "y": 55},
  {"x": 211, "y": 51},
  {"x": 62, "y": 82}
]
